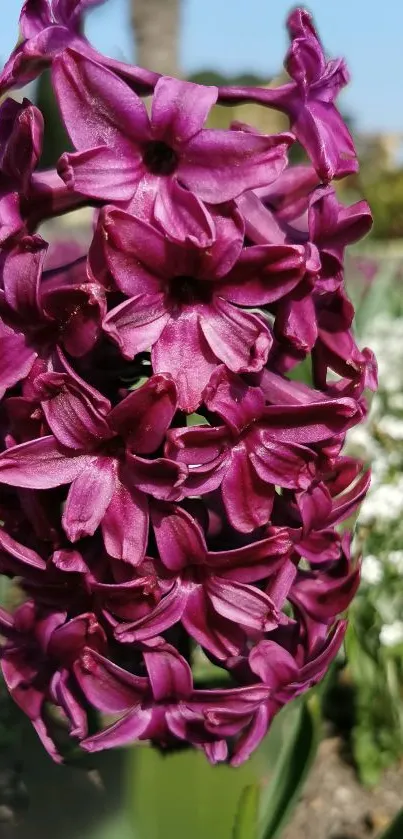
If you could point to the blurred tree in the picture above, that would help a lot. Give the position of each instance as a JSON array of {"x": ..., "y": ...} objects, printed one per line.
[
  {"x": 214, "y": 77},
  {"x": 156, "y": 26},
  {"x": 384, "y": 194}
]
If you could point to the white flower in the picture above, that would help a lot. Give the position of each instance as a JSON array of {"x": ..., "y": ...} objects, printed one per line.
[
  {"x": 396, "y": 559},
  {"x": 360, "y": 442},
  {"x": 391, "y": 426},
  {"x": 371, "y": 570},
  {"x": 396, "y": 402},
  {"x": 385, "y": 337},
  {"x": 391, "y": 634},
  {"x": 383, "y": 505}
]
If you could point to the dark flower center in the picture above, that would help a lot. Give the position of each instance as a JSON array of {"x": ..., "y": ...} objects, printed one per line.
[
  {"x": 185, "y": 291},
  {"x": 195, "y": 574},
  {"x": 159, "y": 158},
  {"x": 116, "y": 447}
]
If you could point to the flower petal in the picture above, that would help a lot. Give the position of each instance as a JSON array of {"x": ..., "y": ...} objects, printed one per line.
[
  {"x": 40, "y": 464},
  {"x": 124, "y": 732},
  {"x": 165, "y": 614},
  {"x": 34, "y": 17},
  {"x": 242, "y": 604},
  {"x": 197, "y": 445},
  {"x": 101, "y": 173},
  {"x": 18, "y": 558},
  {"x": 274, "y": 665},
  {"x": 248, "y": 500},
  {"x": 179, "y": 538},
  {"x": 253, "y": 562},
  {"x": 310, "y": 423},
  {"x": 322, "y": 131},
  {"x": 89, "y": 497},
  {"x": 263, "y": 274},
  {"x": 286, "y": 465},
  {"x": 237, "y": 403},
  {"x": 240, "y": 339},
  {"x": 79, "y": 311},
  {"x": 125, "y": 525},
  {"x": 136, "y": 324},
  {"x": 219, "y": 165},
  {"x": 180, "y": 109},
  {"x": 169, "y": 673},
  {"x": 182, "y": 215},
  {"x": 21, "y": 277},
  {"x": 70, "y": 412},
  {"x": 98, "y": 109},
  {"x": 107, "y": 687},
  {"x": 139, "y": 255},
  {"x": 254, "y": 733},
  {"x": 213, "y": 632},
  {"x": 204, "y": 450},
  {"x": 183, "y": 352},
  {"x": 143, "y": 417},
  {"x": 296, "y": 321},
  {"x": 161, "y": 478},
  {"x": 16, "y": 357}
]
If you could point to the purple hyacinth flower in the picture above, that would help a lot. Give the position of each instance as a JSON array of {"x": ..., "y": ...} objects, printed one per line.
[
  {"x": 27, "y": 197},
  {"x": 143, "y": 536},
  {"x": 308, "y": 100},
  {"x": 102, "y": 456},
  {"x": 21, "y": 130},
  {"x": 41, "y": 310},
  {"x": 213, "y": 596},
  {"x": 184, "y": 300},
  {"x": 322, "y": 596},
  {"x": 317, "y": 218},
  {"x": 48, "y": 28},
  {"x": 165, "y": 166},
  {"x": 258, "y": 448},
  {"x": 300, "y": 666},
  {"x": 163, "y": 706},
  {"x": 36, "y": 662}
]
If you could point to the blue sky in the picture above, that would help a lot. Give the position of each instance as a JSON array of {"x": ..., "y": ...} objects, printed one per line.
[{"x": 237, "y": 35}]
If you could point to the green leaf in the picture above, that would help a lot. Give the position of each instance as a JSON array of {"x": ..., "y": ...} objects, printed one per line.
[
  {"x": 378, "y": 299},
  {"x": 302, "y": 372},
  {"x": 196, "y": 419},
  {"x": 395, "y": 830},
  {"x": 138, "y": 383},
  {"x": 4, "y": 590},
  {"x": 180, "y": 794},
  {"x": 246, "y": 820},
  {"x": 291, "y": 770}
]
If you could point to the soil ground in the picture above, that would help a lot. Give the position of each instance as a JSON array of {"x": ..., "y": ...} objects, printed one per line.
[{"x": 335, "y": 805}]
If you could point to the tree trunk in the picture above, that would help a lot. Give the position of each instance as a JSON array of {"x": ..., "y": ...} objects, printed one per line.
[{"x": 156, "y": 26}]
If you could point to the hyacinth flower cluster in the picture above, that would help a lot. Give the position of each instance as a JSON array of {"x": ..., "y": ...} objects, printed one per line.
[{"x": 169, "y": 491}]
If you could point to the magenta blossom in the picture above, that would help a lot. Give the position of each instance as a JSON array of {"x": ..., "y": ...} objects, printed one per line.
[
  {"x": 162, "y": 167},
  {"x": 48, "y": 27},
  {"x": 315, "y": 218},
  {"x": 99, "y": 452},
  {"x": 213, "y": 596},
  {"x": 163, "y": 706},
  {"x": 173, "y": 499},
  {"x": 42, "y": 310},
  {"x": 26, "y": 196},
  {"x": 36, "y": 663},
  {"x": 308, "y": 100},
  {"x": 258, "y": 448},
  {"x": 184, "y": 300}
]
